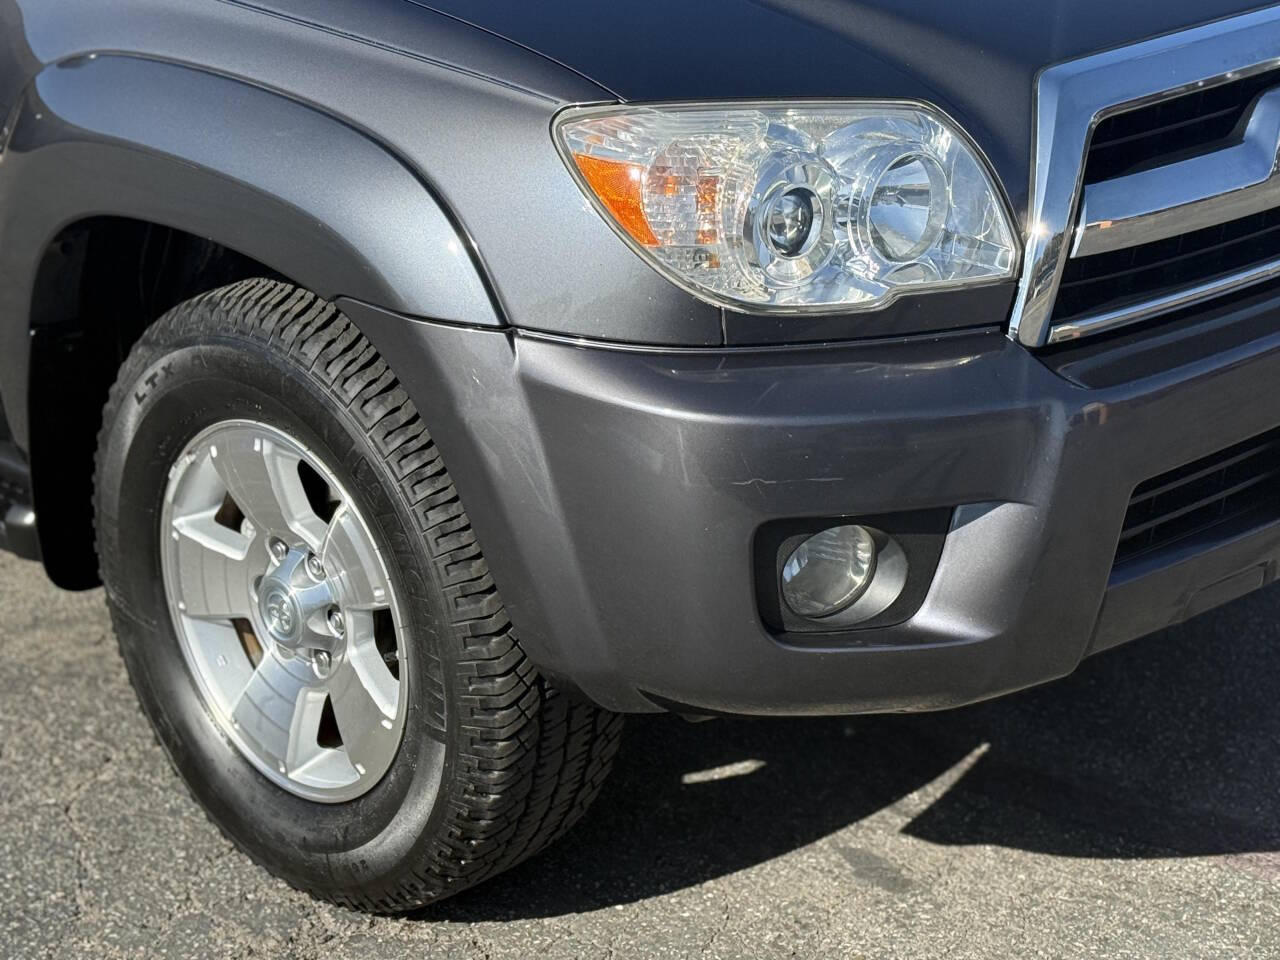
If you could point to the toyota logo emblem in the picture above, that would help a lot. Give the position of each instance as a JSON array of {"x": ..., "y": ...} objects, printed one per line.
[{"x": 281, "y": 613}]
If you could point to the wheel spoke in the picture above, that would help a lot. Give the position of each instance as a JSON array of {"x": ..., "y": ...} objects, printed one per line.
[
  {"x": 364, "y": 711},
  {"x": 267, "y": 707},
  {"x": 304, "y": 733},
  {"x": 353, "y": 563},
  {"x": 212, "y": 568},
  {"x": 262, "y": 478}
]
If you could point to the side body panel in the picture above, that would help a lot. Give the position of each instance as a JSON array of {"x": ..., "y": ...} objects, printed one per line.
[{"x": 466, "y": 114}]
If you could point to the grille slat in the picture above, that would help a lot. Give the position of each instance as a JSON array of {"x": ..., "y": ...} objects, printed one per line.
[
  {"x": 1107, "y": 281},
  {"x": 1236, "y": 486},
  {"x": 1192, "y": 122},
  {"x": 1187, "y": 246},
  {"x": 1216, "y": 499},
  {"x": 1142, "y": 494},
  {"x": 1103, "y": 142}
]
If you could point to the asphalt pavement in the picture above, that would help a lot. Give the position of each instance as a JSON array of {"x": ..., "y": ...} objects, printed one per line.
[{"x": 1131, "y": 810}]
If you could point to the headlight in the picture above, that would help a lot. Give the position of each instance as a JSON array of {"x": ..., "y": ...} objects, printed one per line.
[{"x": 794, "y": 208}]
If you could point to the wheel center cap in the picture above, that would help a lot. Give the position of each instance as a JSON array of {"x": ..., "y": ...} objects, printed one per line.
[{"x": 281, "y": 615}]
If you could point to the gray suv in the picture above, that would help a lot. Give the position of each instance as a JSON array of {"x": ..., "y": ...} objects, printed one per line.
[{"x": 430, "y": 383}]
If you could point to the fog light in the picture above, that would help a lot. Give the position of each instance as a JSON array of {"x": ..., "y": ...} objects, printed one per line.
[{"x": 829, "y": 571}]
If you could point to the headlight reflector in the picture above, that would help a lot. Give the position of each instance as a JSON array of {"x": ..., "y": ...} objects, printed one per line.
[
  {"x": 794, "y": 208},
  {"x": 907, "y": 208}
]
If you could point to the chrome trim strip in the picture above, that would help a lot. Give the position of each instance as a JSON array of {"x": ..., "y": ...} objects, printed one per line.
[
  {"x": 1178, "y": 198},
  {"x": 1098, "y": 322},
  {"x": 1072, "y": 98}
]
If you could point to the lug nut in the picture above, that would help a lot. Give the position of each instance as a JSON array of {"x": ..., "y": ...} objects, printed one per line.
[
  {"x": 321, "y": 663},
  {"x": 315, "y": 567},
  {"x": 337, "y": 625},
  {"x": 279, "y": 549}
]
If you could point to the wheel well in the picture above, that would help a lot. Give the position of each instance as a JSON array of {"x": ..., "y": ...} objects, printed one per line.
[{"x": 100, "y": 284}]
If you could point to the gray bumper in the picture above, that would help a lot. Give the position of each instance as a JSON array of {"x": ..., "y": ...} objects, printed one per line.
[{"x": 617, "y": 494}]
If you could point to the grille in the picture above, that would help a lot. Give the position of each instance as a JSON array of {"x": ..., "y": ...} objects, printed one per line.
[
  {"x": 1109, "y": 281},
  {"x": 1232, "y": 489},
  {"x": 1173, "y": 128},
  {"x": 1196, "y": 150},
  {"x": 1165, "y": 132}
]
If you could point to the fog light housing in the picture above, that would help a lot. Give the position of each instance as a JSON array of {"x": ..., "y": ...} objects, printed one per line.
[{"x": 829, "y": 571}]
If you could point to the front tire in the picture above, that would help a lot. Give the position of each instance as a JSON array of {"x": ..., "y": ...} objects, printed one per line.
[{"x": 485, "y": 762}]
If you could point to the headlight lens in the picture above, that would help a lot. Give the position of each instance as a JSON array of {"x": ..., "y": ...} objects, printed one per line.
[{"x": 794, "y": 208}]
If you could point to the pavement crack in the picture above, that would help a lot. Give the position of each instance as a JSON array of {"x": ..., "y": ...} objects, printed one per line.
[
  {"x": 81, "y": 908},
  {"x": 726, "y": 914}
]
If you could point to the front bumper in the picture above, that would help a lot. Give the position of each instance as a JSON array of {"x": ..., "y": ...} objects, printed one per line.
[{"x": 617, "y": 494}]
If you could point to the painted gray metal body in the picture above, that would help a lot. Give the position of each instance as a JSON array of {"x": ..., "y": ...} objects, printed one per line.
[{"x": 618, "y": 443}]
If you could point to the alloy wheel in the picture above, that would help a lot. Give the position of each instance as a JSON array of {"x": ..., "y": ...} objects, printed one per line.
[{"x": 284, "y": 610}]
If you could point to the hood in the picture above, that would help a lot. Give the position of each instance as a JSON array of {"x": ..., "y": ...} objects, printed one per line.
[{"x": 976, "y": 59}]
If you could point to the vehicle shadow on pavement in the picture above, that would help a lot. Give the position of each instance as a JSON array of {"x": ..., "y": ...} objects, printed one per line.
[{"x": 1166, "y": 747}]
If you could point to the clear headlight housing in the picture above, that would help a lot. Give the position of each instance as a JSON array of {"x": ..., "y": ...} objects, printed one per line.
[{"x": 794, "y": 208}]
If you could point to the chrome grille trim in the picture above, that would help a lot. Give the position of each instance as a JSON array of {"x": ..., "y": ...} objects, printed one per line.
[
  {"x": 1109, "y": 320},
  {"x": 1071, "y": 100},
  {"x": 1177, "y": 198}
]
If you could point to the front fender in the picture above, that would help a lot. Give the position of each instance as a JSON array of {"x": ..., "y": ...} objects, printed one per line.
[{"x": 275, "y": 179}]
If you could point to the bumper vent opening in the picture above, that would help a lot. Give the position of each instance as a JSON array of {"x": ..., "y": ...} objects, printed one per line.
[{"x": 1216, "y": 496}]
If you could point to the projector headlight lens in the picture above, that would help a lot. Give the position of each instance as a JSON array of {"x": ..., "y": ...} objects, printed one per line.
[
  {"x": 829, "y": 571},
  {"x": 794, "y": 208},
  {"x": 790, "y": 219}
]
